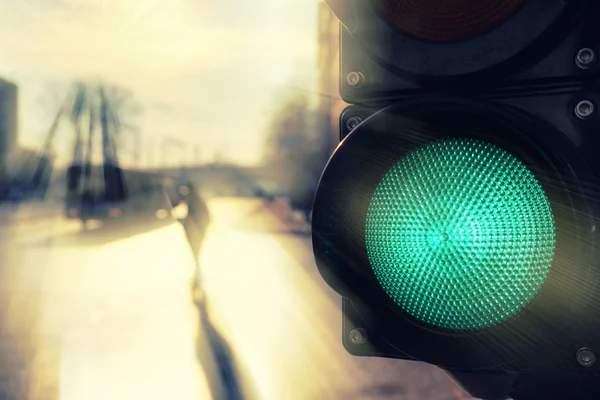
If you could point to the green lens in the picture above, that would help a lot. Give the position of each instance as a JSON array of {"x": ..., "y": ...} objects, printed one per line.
[{"x": 460, "y": 234}]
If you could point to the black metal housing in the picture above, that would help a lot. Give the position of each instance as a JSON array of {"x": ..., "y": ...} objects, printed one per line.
[
  {"x": 521, "y": 83},
  {"x": 561, "y": 149},
  {"x": 538, "y": 45}
]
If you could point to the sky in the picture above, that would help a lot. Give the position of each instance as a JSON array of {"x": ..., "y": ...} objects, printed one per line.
[{"x": 205, "y": 71}]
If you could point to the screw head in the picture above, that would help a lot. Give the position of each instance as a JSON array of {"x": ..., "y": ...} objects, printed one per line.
[
  {"x": 358, "y": 336},
  {"x": 353, "y": 122},
  {"x": 584, "y": 109},
  {"x": 585, "y": 58},
  {"x": 355, "y": 79},
  {"x": 586, "y": 357}
]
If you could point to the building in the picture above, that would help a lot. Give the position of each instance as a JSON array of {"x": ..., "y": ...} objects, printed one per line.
[
  {"x": 8, "y": 118},
  {"x": 329, "y": 71},
  {"x": 8, "y": 127},
  {"x": 20, "y": 168}
]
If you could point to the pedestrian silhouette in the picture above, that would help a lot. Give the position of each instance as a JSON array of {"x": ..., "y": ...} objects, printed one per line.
[{"x": 195, "y": 224}]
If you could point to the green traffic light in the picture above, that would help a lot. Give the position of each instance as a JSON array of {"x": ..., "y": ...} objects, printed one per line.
[{"x": 460, "y": 234}]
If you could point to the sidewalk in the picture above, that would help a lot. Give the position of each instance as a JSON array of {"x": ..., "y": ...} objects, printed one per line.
[
  {"x": 293, "y": 220},
  {"x": 29, "y": 210}
]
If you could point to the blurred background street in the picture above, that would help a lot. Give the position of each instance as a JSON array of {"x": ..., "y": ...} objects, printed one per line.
[
  {"x": 156, "y": 188},
  {"x": 111, "y": 312}
]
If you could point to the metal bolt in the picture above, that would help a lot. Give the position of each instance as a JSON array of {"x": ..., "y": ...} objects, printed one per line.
[
  {"x": 353, "y": 122},
  {"x": 358, "y": 336},
  {"x": 584, "y": 109},
  {"x": 355, "y": 79},
  {"x": 586, "y": 357},
  {"x": 585, "y": 58},
  {"x": 593, "y": 228}
]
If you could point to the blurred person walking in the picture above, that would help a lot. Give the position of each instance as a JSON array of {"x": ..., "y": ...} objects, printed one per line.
[{"x": 195, "y": 223}]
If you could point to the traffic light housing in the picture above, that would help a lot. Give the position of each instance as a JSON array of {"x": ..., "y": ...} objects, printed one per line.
[
  {"x": 547, "y": 43},
  {"x": 458, "y": 216}
]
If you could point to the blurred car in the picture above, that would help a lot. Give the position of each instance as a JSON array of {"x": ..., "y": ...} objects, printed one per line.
[{"x": 145, "y": 197}]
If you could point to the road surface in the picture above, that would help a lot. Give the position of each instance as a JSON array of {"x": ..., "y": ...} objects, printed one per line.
[
  {"x": 106, "y": 314},
  {"x": 284, "y": 323}
]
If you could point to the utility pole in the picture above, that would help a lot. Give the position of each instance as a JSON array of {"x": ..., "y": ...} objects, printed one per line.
[
  {"x": 196, "y": 159},
  {"x": 138, "y": 148},
  {"x": 150, "y": 152},
  {"x": 171, "y": 142},
  {"x": 113, "y": 179}
]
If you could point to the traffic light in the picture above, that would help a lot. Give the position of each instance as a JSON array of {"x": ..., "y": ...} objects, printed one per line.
[{"x": 458, "y": 216}]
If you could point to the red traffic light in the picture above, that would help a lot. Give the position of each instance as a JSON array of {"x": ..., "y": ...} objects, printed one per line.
[{"x": 446, "y": 21}]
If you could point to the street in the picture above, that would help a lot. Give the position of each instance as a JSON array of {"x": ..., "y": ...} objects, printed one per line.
[
  {"x": 101, "y": 315},
  {"x": 109, "y": 314},
  {"x": 283, "y": 320}
]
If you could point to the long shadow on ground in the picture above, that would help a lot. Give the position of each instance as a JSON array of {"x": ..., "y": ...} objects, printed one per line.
[
  {"x": 226, "y": 377},
  {"x": 224, "y": 372}
]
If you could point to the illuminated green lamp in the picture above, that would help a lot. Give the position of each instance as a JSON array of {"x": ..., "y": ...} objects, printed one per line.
[{"x": 460, "y": 234}]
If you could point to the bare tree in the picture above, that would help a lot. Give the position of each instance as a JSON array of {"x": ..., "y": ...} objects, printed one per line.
[
  {"x": 124, "y": 104},
  {"x": 296, "y": 147},
  {"x": 51, "y": 99}
]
